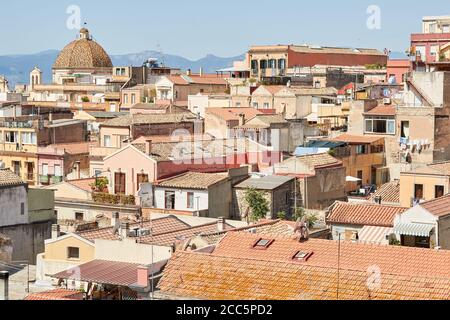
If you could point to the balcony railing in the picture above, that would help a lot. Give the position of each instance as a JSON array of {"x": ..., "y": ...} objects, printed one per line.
[{"x": 49, "y": 179}]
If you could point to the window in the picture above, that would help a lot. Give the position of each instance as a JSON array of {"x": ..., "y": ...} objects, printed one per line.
[
  {"x": 57, "y": 170},
  {"x": 255, "y": 105},
  {"x": 302, "y": 256},
  {"x": 434, "y": 50},
  {"x": 79, "y": 216},
  {"x": 263, "y": 64},
  {"x": 282, "y": 64},
  {"x": 255, "y": 65},
  {"x": 11, "y": 137},
  {"x": 266, "y": 105},
  {"x": 361, "y": 149},
  {"x": 263, "y": 244},
  {"x": 29, "y": 138},
  {"x": 133, "y": 98},
  {"x": 141, "y": 178},
  {"x": 125, "y": 98},
  {"x": 418, "y": 191},
  {"x": 107, "y": 141},
  {"x": 45, "y": 169},
  {"x": 73, "y": 253},
  {"x": 170, "y": 200},
  {"x": 16, "y": 166},
  {"x": 190, "y": 200},
  {"x": 119, "y": 183},
  {"x": 238, "y": 104},
  {"x": 446, "y": 28},
  {"x": 360, "y": 178},
  {"x": 380, "y": 125},
  {"x": 405, "y": 129},
  {"x": 272, "y": 64},
  {"x": 433, "y": 28},
  {"x": 438, "y": 191},
  {"x": 22, "y": 209}
]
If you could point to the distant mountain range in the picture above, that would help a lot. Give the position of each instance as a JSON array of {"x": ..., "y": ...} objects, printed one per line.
[{"x": 16, "y": 68}]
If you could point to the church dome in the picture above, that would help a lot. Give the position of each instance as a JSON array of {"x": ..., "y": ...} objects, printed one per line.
[{"x": 83, "y": 53}]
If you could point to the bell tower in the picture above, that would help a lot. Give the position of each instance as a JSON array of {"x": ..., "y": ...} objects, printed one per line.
[{"x": 35, "y": 77}]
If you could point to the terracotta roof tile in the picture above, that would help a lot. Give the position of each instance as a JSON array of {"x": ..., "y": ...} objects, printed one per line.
[
  {"x": 83, "y": 184},
  {"x": 159, "y": 226},
  {"x": 354, "y": 256},
  {"x": 364, "y": 214},
  {"x": 383, "y": 111},
  {"x": 389, "y": 193},
  {"x": 193, "y": 180},
  {"x": 439, "y": 207},
  {"x": 357, "y": 139},
  {"x": 104, "y": 272},
  {"x": 233, "y": 114},
  {"x": 57, "y": 294},
  {"x": 9, "y": 178},
  {"x": 203, "y": 276}
]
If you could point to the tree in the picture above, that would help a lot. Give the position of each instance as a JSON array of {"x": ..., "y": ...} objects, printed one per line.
[
  {"x": 85, "y": 99},
  {"x": 101, "y": 184},
  {"x": 257, "y": 203},
  {"x": 311, "y": 218}
]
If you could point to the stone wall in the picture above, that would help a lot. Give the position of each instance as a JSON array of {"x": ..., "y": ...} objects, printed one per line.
[{"x": 28, "y": 239}]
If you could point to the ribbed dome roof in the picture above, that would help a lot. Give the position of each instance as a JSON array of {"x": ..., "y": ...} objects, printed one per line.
[{"x": 83, "y": 53}]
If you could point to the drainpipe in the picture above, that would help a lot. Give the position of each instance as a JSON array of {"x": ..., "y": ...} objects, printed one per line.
[{"x": 4, "y": 285}]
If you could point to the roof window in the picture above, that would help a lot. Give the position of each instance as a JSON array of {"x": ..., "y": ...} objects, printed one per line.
[
  {"x": 302, "y": 256},
  {"x": 263, "y": 244}
]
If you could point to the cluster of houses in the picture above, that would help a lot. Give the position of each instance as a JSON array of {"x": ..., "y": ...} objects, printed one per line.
[{"x": 299, "y": 173}]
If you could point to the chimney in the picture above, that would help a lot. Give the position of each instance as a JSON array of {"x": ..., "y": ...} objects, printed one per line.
[
  {"x": 148, "y": 146},
  {"x": 241, "y": 119},
  {"x": 124, "y": 230},
  {"x": 221, "y": 224},
  {"x": 143, "y": 275},
  {"x": 50, "y": 117},
  {"x": 78, "y": 170},
  {"x": 201, "y": 72},
  {"x": 56, "y": 231},
  {"x": 115, "y": 219},
  {"x": 355, "y": 237},
  {"x": 4, "y": 285},
  {"x": 188, "y": 72}
]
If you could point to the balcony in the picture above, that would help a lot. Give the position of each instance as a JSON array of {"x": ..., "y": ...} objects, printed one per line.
[{"x": 47, "y": 180}]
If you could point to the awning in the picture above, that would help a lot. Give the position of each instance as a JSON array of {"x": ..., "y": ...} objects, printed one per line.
[
  {"x": 376, "y": 235},
  {"x": 413, "y": 229},
  {"x": 352, "y": 179}
]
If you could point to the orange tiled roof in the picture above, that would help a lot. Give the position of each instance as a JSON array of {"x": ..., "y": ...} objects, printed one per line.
[
  {"x": 357, "y": 139},
  {"x": 193, "y": 180},
  {"x": 367, "y": 214},
  {"x": 233, "y": 114},
  {"x": 9, "y": 178},
  {"x": 354, "y": 256},
  {"x": 389, "y": 192},
  {"x": 57, "y": 294},
  {"x": 383, "y": 111},
  {"x": 438, "y": 207},
  {"x": 74, "y": 148},
  {"x": 83, "y": 184},
  {"x": 213, "y": 277},
  {"x": 159, "y": 226},
  {"x": 170, "y": 238}
]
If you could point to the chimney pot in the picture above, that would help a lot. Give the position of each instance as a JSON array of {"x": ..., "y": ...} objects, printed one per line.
[
  {"x": 221, "y": 224},
  {"x": 115, "y": 219},
  {"x": 4, "y": 285},
  {"x": 148, "y": 146},
  {"x": 56, "y": 231},
  {"x": 124, "y": 229},
  {"x": 241, "y": 119}
]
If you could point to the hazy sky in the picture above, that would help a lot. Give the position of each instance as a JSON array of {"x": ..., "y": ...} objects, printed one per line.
[{"x": 194, "y": 28}]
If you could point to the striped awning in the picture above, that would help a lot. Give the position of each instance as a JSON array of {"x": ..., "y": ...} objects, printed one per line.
[
  {"x": 376, "y": 235},
  {"x": 413, "y": 229}
]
